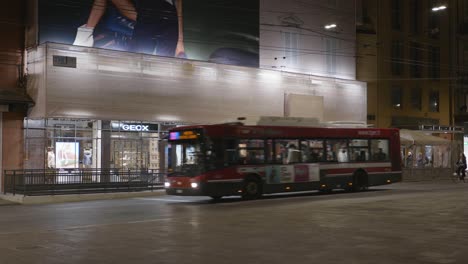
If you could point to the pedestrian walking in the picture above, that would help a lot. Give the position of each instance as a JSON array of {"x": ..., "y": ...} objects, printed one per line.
[{"x": 461, "y": 167}]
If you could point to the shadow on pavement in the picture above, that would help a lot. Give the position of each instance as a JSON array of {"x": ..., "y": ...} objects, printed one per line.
[{"x": 336, "y": 194}]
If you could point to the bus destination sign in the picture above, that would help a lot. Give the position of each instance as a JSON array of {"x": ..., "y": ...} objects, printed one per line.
[{"x": 189, "y": 134}]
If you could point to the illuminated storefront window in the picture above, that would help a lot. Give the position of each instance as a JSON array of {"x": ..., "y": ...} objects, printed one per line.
[{"x": 76, "y": 143}]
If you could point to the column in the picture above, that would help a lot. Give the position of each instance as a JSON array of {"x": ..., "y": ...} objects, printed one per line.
[
  {"x": 105, "y": 149},
  {"x": 12, "y": 141},
  {"x": 97, "y": 142}
]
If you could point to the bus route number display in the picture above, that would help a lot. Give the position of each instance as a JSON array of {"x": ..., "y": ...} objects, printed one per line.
[{"x": 183, "y": 135}]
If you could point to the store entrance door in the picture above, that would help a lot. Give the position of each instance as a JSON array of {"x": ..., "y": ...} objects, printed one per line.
[{"x": 129, "y": 154}]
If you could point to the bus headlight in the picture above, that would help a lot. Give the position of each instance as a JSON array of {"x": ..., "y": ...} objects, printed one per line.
[
  {"x": 194, "y": 185},
  {"x": 167, "y": 184}
]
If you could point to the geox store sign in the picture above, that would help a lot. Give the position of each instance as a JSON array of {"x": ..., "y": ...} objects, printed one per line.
[{"x": 128, "y": 127}]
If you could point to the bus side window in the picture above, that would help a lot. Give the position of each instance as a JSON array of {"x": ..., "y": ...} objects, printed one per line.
[
  {"x": 231, "y": 152},
  {"x": 214, "y": 153},
  {"x": 251, "y": 151},
  {"x": 305, "y": 151},
  {"x": 359, "y": 149},
  {"x": 255, "y": 157},
  {"x": 379, "y": 150},
  {"x": 270, "y": 152},
  {"x": 330, "y": 152},
  {"x": 312, "y": 150},
  {"x": 287, "y": 151},
  {"x": 279, "y": 152},
  {"x": 231, "y": 157},
  {"x": 294, "y": 155},
  {"x": 337, "y": 150}
]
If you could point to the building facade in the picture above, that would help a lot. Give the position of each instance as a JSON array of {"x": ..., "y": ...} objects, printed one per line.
[
  {"x": 410, "y": 55},
  {"x": 459, "y": 18},
  {"x": 309, "y": 37},
  {"x": 460, "y": 44},
  {"x": 14, "y": 101},
  {"x": 105, "y": 93},
  {"x": 404, "y": 54}
]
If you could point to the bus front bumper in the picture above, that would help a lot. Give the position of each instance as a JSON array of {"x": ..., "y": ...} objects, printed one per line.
[{"x": 184, "y": 191}]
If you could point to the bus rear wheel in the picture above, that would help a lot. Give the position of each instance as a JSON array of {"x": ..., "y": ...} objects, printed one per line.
[
  {"x": 252, "y": 189},
  {"x": 360, "y": 181}
]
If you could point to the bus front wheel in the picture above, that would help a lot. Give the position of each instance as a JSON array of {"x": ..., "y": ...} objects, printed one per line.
[{"x": 252, "y": 189}]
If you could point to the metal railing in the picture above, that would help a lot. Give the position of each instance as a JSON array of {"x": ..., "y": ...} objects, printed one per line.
[{"x": 75, "y": 181}]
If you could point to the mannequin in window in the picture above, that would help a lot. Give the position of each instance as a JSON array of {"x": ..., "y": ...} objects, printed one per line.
[
  {"x": 50, "y": 158},
  {"x": 87, "y": 158}
]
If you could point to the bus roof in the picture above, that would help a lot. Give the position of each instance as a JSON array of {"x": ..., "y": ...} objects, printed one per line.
[{"x": 238, "y": 130}]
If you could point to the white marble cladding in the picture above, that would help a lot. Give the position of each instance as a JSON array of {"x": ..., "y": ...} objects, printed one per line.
[{"x": 111, "y": 85}]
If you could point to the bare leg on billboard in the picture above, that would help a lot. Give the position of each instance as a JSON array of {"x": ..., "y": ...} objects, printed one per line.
[
  {"x": 180, "y": 49},
  {"x": 84, "y": 36},
  {"x": 158, "y": 29}
]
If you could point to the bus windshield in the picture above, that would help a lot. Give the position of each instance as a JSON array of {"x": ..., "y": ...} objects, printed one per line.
[{"x": 187, "y": 158}]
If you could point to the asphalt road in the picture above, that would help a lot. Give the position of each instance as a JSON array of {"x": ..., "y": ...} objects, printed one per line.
[{"x": 400, "y": 223}]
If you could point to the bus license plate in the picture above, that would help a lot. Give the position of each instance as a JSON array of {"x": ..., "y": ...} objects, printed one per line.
[{"x": 179, "y": 191}]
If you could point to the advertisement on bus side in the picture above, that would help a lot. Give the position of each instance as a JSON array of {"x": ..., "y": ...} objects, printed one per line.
[{"x": 292, "y": 173}]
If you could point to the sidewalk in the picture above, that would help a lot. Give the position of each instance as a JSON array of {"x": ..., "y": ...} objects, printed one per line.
[
  {"x": 10, "y": 199},
  {"x": 436, "y": 184},
  {"x": 6, "y": 202}
]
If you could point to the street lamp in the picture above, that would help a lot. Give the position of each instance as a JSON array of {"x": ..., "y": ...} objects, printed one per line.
[
  {"x": 439, "y": 8},
  {"x": 330, "y": 26}
]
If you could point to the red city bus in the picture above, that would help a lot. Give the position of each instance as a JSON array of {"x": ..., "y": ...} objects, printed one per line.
[{"x": 233, "y": 159}]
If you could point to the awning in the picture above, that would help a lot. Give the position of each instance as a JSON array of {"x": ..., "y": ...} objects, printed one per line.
[
  {"x": 414, "y": 137},
  {"x": 12, "y": 96}
]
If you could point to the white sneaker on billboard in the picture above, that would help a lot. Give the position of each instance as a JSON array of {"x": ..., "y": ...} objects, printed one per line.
[{"x": 84, "y": 37}]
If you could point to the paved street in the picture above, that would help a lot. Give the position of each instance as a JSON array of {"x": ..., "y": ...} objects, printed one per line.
[{"x": 401, "y": 223}]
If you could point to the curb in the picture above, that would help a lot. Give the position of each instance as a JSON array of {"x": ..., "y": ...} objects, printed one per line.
[
  {"x": 67, "y": 198},
  {"x": 4, "y": 202}
]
